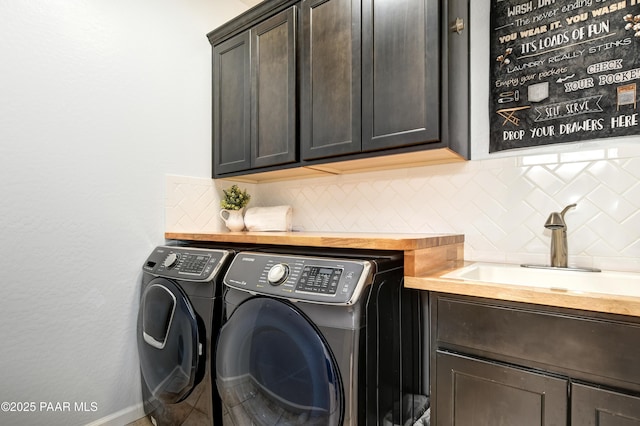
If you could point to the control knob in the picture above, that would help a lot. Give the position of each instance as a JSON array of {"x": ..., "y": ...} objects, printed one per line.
[
  {"x": 170, "y": 260},
  {"x": 278, "y": 274}
]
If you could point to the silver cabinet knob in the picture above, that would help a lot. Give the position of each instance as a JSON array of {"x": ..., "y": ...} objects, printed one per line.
[{"x": 458, "y": 26}]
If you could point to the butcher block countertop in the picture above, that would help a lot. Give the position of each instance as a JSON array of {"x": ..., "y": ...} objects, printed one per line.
[
  {"x": 597, "y": 302},
  {"x": 427, "y": 258},
  {"x": 422, "y": 252},
  {"x": 374, "y": 241}
]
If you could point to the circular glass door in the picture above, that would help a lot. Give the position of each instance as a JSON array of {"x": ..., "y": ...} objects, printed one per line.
[
  {"x": 274, "y": 367},
  {"x": 171, "y": 354}
]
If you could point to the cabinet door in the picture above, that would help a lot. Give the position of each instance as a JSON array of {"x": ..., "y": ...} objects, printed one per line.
[
  {"x": 475, "y": 392},
  {"x": 400, "y": 73},
  {"x": 231, "y": 106},
  {"x": 273, "y": 90},
  {"x": 330, "y": 98},
  {"x": 598, "y": 407}
]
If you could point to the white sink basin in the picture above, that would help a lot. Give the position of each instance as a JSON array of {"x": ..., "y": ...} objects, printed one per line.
[{"x": 606, "y": 282}]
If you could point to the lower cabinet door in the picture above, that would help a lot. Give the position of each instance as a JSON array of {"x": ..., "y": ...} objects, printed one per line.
[
  {"x": 475, "y": 392},
  {"x": 591, "y": 406}
]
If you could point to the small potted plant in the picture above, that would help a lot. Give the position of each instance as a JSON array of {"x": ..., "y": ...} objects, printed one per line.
[{"x": 233, "y": 204}]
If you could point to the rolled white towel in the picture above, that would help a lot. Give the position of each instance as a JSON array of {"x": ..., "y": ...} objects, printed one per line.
[
  {"x": 278, "y": 218},
  {"x": 425, "y": 419}
]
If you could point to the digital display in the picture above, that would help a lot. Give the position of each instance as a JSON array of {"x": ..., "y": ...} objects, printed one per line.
[
  {"x": 316, "y": 279},
  {"x": 193, "y": 264}
]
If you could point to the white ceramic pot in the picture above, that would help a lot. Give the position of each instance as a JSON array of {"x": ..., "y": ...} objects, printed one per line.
[{"x": 233, "y": 219}]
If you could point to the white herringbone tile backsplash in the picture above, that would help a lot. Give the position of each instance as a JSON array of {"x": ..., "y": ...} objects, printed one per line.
[{"x": 499, "y": 205}]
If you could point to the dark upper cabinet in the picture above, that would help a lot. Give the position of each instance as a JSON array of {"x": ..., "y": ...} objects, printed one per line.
[
  {"x": 400, "y": 73},
  {"x": 273, "y": 90},
  {"x": 330, "y": 77},
  {"x": 370, "y": 75},
  {"x": 339, "y": 85},
  {"x": 254, "y": 96},
  {"x": 232, "y": 105}
]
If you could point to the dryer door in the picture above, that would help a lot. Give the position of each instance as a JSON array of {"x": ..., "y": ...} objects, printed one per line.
[
  {"x": 274, "y": 367},
  {"x": 169, "y": 342}
]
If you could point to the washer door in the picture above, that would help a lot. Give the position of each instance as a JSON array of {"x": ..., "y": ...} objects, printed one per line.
[
  {"x": 274, "y": 367},
  {"x": 169, "y": 345}
]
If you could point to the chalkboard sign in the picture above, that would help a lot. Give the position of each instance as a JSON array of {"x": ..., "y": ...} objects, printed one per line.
[{"x": 563, "y": 71}]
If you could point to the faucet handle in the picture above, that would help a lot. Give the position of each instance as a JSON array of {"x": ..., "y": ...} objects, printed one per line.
[{"x": 570, "y": 206}]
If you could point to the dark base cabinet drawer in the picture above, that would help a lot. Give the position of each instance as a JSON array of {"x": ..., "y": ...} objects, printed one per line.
[
  {"x": 474, "y": 392},
  {"x": 594, "y": 349}
]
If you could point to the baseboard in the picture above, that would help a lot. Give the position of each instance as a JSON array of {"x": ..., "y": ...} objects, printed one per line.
[{"x": 122, "y": 417}]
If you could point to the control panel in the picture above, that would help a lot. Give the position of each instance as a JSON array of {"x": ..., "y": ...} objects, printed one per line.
[
  {"x": 184, "y": 263},
  {"x": 303, "y": 278}
]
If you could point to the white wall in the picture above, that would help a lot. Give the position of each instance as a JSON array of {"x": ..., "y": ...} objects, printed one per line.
[
  {"x": 98, "y": 101},
  {"x": 499, "y": 201}
]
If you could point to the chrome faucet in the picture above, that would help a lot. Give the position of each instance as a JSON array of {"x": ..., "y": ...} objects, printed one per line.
[{"x": 558, "y": 227}]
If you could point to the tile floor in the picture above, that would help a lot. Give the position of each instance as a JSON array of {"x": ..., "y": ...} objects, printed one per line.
[{"x": 141, "y": 422}]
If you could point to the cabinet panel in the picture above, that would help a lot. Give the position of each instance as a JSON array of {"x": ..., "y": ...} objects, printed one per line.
[
  {"x": 330, "y": 90},
  {"x": 273, "y": 90},
  {"x": 591, "y": 406},
  {"x": 475, "y": 392},
  {"x": 456, "y": 80},
  {"x": 577, "y": 346},
  {"x": 231, "y": 105},
  {"x": 400, "y": 73}
]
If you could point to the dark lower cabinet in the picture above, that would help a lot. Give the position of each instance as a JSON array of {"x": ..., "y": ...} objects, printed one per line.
[
  {"x": 479, "y": 392},
  {"x": 504, "y": 363},
  {"x": 591, "y": 406},
  {"x": 475, "y": 392}
]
